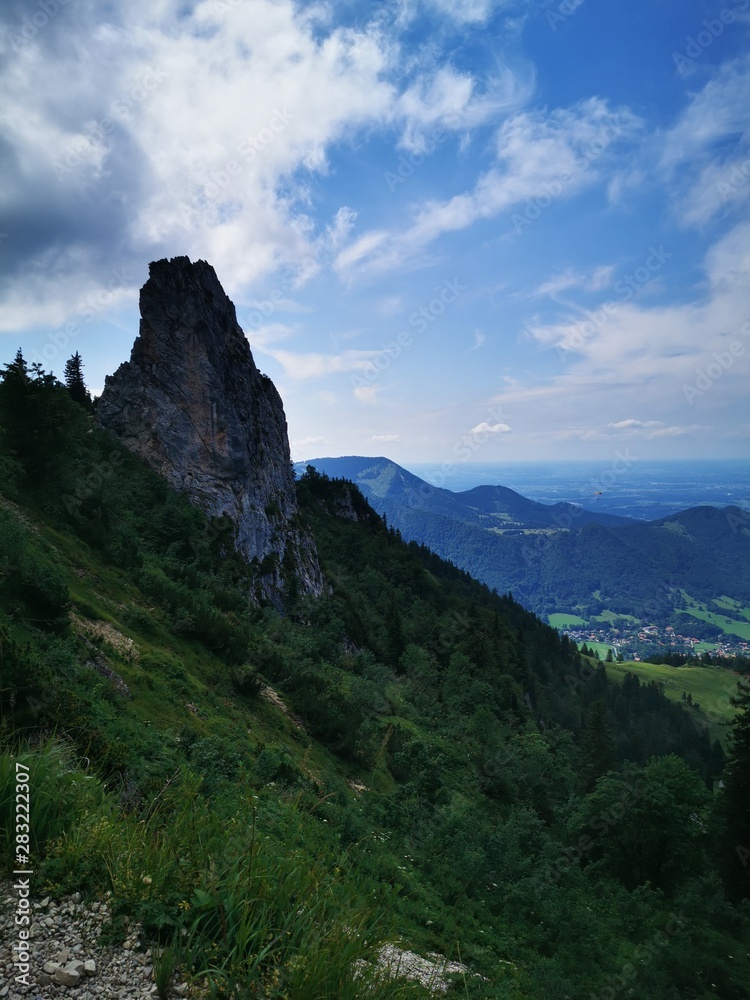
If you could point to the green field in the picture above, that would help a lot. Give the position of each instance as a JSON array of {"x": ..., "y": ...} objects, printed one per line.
[
  {"x": 731, "y": 605},
  {"x": 561, "y": 620},
  {"x": 612, "y": 616},
  {"x": 602, "y": 648},
  {"x": 710, "y": 687},
  {"x": 730, "y": 626}
]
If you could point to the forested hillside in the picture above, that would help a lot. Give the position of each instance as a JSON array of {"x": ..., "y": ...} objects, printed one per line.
[
  {"x": 409, "y": 758},
  {"x": 561, "y": 557}
]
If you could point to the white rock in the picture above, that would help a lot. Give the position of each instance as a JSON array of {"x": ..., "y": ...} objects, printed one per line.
[
  {"x": 90, "y": 967},
  {"x": 68, "y": 976}
]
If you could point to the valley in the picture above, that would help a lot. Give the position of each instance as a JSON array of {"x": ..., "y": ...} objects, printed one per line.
[{"x": 637, "y": 586}]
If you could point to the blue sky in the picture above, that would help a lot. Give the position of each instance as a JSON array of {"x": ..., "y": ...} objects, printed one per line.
[{"x": 453, "y": 229}]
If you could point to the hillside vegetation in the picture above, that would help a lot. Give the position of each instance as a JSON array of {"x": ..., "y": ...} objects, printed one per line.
[
  {"x": 563, "y": 559},
  {"x": 412, "y": 758}
]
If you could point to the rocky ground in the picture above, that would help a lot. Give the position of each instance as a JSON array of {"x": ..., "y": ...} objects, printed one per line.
[{"x": 66, "y": 958}]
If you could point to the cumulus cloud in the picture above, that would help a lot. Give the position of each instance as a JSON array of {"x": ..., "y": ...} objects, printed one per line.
[{"x": 135, "y": 131}]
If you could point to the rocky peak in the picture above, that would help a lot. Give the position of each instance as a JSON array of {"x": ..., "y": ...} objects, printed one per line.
[{"x": 192, "y": 403}]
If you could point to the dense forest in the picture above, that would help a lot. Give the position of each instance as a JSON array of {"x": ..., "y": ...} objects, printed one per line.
[{"x": 413, "y": 757}]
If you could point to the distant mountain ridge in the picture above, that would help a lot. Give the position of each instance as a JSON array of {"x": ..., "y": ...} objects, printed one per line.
[
  {"x": 386, "y": 483},
  {"x": 559, "y": 557}
]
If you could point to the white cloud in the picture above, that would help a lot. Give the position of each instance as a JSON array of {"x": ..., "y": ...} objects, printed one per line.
[
  {"x": 261, "y": 337},
  {"x": 591, "y": 280},
  {"x": 650, "y": 429},
  {"x": 452, "y": 101},
  {"x": 385, "y": 438},
  {"x": 366, "y": 393},
  {"x": 552, "y": 154},
  {"x": 194, "y": 129},
  {"x": 632, "y": 424},
  {"x": 178, "y": 130},
  {"x": 466, "y": 11},
  {"x": 705, "y": 156},
  {"x": 313, "y": 365},
  {"x": 306, "y": 442},
  {"x": 485, "y": 428},
  {"x": 633, "y": 357}
]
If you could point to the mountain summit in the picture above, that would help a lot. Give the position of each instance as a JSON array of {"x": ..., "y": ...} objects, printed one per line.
[{"x": 192, "y": 403}]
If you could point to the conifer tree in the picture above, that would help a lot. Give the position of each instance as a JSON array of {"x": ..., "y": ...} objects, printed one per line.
[
  {"x": 74, "y": 381},
  {"x": 598, "y": 746}
]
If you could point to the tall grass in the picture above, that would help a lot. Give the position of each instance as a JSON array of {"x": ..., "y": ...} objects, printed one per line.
[{"x": 244, "y": 913}]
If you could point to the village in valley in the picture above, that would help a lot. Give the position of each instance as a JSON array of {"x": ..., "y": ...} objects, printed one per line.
[{"x": 638, "y": 642}]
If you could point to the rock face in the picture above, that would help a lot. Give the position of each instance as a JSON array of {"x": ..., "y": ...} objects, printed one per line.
[{"x": 192, "y": 403}]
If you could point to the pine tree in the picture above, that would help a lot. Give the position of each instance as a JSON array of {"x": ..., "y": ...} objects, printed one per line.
[
  {"x": 598, "y": 746},
  {"x": 395, "y": 641},
  {"x": 74, "y": 381}
]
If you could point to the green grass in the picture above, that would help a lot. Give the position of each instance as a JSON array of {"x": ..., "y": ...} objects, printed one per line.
[
  {"x": 730, "y": 626},
  {"x": 561, "y": 620},
  {"x": 612, "y": 616},
  {"x": 236, "y": 908},
  {"x": 710, "y": 687},
  {"x": 729, "y": 604},
  {"x": 600, "y": 647}
]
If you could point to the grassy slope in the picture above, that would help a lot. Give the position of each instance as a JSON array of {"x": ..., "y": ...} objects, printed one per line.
[
  {"x": 169, "y": 673},
  {"x": 710, "y": 687},
  {"x": 728, "y": 625}
]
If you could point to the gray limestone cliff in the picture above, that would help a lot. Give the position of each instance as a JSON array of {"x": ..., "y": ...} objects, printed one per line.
[{"x": 193, "y": 405}]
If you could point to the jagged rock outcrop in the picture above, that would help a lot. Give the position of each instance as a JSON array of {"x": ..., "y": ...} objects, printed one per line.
[{"x": 192, "y": 403}]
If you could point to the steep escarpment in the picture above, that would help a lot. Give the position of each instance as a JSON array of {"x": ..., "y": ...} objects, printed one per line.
[{"x": 192, "y": 404}]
